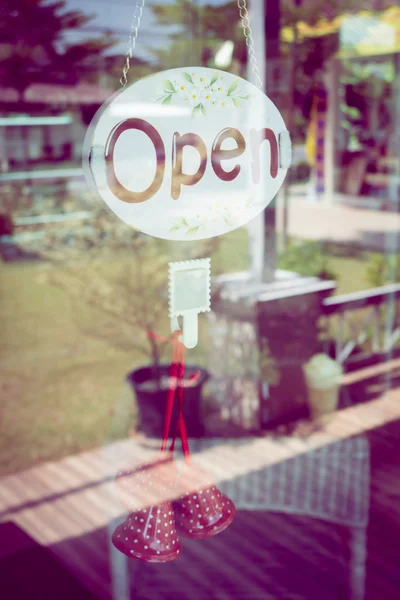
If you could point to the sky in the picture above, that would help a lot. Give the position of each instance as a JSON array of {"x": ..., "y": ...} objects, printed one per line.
[{"x": 116, "y": 16}]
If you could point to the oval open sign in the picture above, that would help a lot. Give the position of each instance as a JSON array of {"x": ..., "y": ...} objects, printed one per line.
[{"x": 187, "y": 153}]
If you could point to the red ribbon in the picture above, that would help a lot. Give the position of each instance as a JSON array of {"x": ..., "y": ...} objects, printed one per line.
[{"x": 176, "y": 383}]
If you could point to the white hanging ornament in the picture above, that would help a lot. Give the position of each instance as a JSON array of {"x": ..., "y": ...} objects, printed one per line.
[
  {"x": 188, "y": 153},
  {"x": 189, "y": 295}
]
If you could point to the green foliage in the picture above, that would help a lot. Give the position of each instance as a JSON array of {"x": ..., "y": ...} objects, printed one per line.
[
  {"x": 306, "y": 258},
  {"x": 197, "y": 110},
  {"x": 356, "y": 72},
  {"x": 195, "y": 28},
  {"x": 169, "y": 86},
  {"x": 312, "y": 12},
  {"x": 198, "y": 20},
  {"x": 188, "y": 78},
  {"x": 193, "y": 230},
  {"x": 383, "y": 269},
  {"x": 233, "y": 87},
  {"x": 181, "y": 221},
  {"x": 214, "y": 78},
  {"x": 351, "y": 111}
]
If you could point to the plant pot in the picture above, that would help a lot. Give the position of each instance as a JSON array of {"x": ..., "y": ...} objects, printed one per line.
[
  {"x": 322, "y": 402},
  {"x": 323, "y": 378},
  {"x": 152, "y": 400}
]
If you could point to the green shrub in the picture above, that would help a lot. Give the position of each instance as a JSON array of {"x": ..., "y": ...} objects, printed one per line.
[
  {"x": 306, "y": 258},
  {"x": 382, "y": 269}
]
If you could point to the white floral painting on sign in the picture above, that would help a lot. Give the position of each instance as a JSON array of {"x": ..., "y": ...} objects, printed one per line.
[{"x": 203, "y": 93}]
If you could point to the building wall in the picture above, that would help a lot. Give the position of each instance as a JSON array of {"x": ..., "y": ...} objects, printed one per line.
[{"x": 20, "y": 144}]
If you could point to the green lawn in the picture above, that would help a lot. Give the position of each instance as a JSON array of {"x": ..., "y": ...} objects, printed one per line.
[
  {"x": 58, "y": 385},
  {"x": 62, "y": 389},
  {"x": 351, "y": 274}
]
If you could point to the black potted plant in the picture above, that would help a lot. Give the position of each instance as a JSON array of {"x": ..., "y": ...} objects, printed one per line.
[{"x": 133, "y": 302}]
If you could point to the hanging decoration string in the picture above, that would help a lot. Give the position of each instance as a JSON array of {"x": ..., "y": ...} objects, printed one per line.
[
  {"x": 137, "y": 15},
  {"x": 177, "y": 385},
  {"x": 247, "y": 32}
]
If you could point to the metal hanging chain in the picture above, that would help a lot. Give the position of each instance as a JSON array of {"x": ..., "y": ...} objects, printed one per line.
[
  {"x": 244, "y": 16},
  {"x": 245, "y": 21},
  {"x": 132, "y": 40}
]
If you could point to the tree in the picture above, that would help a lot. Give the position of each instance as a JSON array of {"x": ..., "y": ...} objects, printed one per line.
[
  {"x": 32, "y": 48},
  {"x": 195, "y": 28},
  {"x": 198, "y": 21},
  {"x": 119, "y": 272},
  {"x": 312, "y": 11}
]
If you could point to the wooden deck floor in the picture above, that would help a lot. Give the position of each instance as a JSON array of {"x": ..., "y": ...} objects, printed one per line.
[{"x": 70, "y": 507}]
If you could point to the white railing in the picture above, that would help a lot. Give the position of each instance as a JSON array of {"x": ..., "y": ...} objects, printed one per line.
[{"x": 369, "y": 319}]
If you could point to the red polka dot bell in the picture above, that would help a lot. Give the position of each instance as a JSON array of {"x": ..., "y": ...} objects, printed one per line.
[{"x": 149, "y": 535}]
